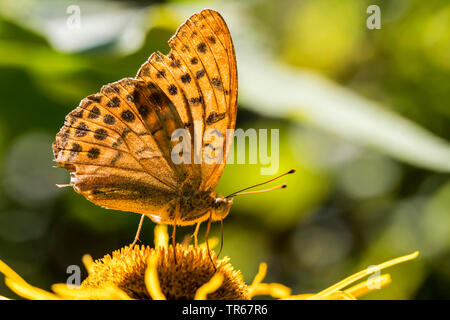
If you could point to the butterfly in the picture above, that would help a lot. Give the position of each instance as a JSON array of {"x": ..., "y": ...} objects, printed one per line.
[{"x": 117, "y": 143}]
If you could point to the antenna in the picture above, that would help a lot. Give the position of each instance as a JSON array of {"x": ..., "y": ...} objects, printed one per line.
[
  {"x": 260, "y": 184},
  {"x": 260, "y": 191}
]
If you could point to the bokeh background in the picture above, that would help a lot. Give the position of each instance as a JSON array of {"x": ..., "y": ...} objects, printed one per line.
[{"x": 363, "y": 117}]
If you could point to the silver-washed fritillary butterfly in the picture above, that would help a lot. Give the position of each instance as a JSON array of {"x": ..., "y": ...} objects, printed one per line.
[{"x": 117, "y": 143}]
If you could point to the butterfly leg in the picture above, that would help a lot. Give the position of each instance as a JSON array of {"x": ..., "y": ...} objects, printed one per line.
[
  {"x": 136, "y": 237},
  {"x": 173, "y": 241},
  {"x": 221, "y": 238},
  {"x": 207, "y": 243},
  {"x": 197, "y": 228}
]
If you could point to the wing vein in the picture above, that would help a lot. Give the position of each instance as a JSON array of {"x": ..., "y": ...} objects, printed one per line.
[{"x": 128, "y": 147}]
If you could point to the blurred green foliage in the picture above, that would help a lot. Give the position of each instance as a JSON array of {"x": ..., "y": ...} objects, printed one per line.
[{"x": 347, "y": 207}]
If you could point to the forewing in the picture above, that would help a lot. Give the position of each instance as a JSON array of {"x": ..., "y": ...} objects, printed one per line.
[
  {"x": 199, "y": 76},
  {"x": 116, "y": 148}
]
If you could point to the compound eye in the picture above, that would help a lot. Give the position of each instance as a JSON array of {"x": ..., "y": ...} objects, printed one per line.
[{"x": 218, "y": 202}]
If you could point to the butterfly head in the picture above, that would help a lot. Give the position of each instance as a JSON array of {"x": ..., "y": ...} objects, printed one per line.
[{"x": 221, "y": 207}]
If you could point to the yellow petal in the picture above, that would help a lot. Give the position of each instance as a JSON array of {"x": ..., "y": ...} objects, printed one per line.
[
  {"x": 365, "y": 287},
  {"x": 275, "y": 290},
  {"x": 108, "y": 292},
  {"x": 262, "y": 271},
  {"x": 337, "y": 295},
  {"x": 213, "y": 241},
  {"x": 212, "y": 285},
  {"x": 29, "y": 292},
  {"x": 303, "y": 296},
  {"x": 151, "y": 278},
  {"x": 355, "y": 277},
  {"x": 161, "y": 236},
  {"x": 8, "y": 272},
  {"x": 17, "y": 284},
  {"x": 88, "y": 262}
]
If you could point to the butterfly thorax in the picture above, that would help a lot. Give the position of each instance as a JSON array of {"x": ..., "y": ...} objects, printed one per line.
[{"x": 198, "y": 206}]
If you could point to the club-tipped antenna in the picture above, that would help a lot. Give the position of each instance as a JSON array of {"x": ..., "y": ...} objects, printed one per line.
[
  {"x": 260, "y": 191},
  {"x": 260, "y": 184}
]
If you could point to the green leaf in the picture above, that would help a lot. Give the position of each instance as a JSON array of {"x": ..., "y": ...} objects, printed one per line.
[{"x": 276, "y": 90}]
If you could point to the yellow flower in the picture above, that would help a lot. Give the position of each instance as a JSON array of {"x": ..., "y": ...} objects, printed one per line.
[
  {"x": 338, "y": 291},
  {"x": 151, "y": 273}
]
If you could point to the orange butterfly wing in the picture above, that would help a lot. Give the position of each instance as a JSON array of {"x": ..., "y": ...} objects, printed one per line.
[
  {"x": 117, "y": 143},
  {"x": 199, "y": 75},
  {"x": 115, "y": 146}
]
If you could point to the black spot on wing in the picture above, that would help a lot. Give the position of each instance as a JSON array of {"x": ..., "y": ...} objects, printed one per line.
[
  {"x": 116, "y": 158},
  {"x": 201, "y": 47},
  {"x": 111, "y": 89},
  {"x": 128, "y": 116},
  {"x": 100, "y": 134},
  {"x": 172, "y": 89},
  {"x": 200, "y": 74},
  {"x": 82, "y": 130},
  {"x": 143, "y": 111},
  {"x": 109, "y": 119},
  {"x": 93, "y": 153},
  {"x": 113, "y": 103},
  {"x": 161, "y": 74},
  {"x": 94, "y": 113},
  {"x": 186, "y": 78},
  {"x": 95, "y": 97},
  {"x": 215, "y": 117},
  {"x": 212, "y": 39},
  {"x": 217, "y": 83},
  {"x": 196, "y": 100},
  {"x": 76, "y": 148}
]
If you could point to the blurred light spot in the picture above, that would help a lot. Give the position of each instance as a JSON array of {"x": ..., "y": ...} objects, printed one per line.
[
  {"x": 320, "y": 245},
  {"x": 327, "y": 151},
  {"x": 400, "y": 234},
  {"x": 29, "y": 176},
  {"x": 247, "y": 248},
  {"x": 283, "y": 208},
  {"x": 436, "y": 221},
  {"x": 369, "y": 176},
  {"x": 22, "y": 225},
  {"x": 324, "y": 39},
  {"x": 401, "y": 231},
  {"x": 436, "y": 38}
]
